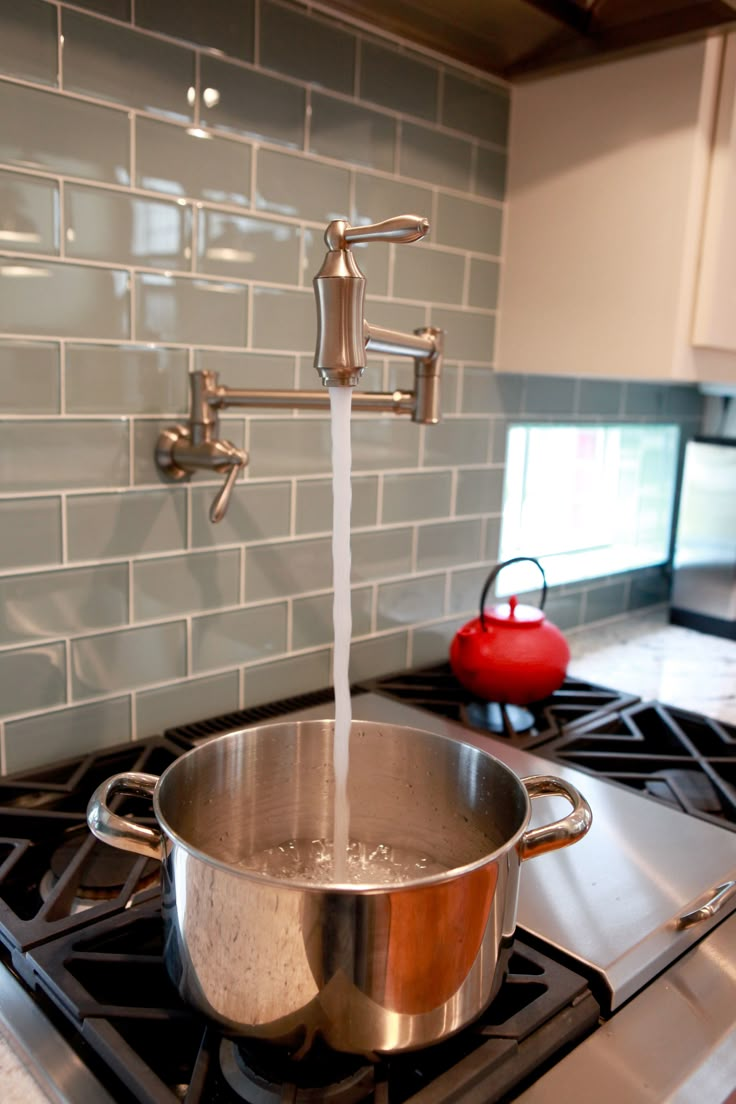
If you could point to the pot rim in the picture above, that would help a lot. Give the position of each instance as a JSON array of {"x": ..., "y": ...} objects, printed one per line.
[{"x": 340, "y": 888}]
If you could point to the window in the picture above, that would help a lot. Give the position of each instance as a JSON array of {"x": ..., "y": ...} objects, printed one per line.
[{"x": 587, "y": 500}]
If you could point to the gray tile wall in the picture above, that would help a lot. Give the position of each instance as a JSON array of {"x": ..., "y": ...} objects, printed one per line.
[{"x": 161, "y": 208}]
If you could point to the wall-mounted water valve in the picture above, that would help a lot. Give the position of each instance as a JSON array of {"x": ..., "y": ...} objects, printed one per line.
[{"x": 343, "y": 338}]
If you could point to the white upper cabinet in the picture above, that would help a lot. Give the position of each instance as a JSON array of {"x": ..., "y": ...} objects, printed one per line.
[
  {"x": 610, "y": 223},
  {"x": 715, "y": 309}
]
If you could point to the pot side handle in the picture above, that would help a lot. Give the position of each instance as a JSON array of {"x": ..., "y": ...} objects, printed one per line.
[
  {"x": 119, "y": 831},
  {"x": 560, "y": 833}
]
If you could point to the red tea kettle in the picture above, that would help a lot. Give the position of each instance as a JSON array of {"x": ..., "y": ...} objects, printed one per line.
[{"x": 510, "y": 654}]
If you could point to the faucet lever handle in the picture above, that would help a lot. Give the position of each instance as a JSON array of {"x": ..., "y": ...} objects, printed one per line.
[
  {"x": 221, "y": 501},
  {"x": 402, "y": 228}
]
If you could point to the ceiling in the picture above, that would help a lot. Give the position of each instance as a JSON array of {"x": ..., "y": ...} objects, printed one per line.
[{"x": 516, "y": 39}]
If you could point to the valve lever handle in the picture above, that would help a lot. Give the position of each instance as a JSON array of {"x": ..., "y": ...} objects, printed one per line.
[
  {"x": 402, "y": 228},
  {"x": 222, "y": 499}
]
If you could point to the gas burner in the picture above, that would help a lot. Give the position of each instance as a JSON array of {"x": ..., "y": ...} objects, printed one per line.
[
  {"x": 436, "y": 690},
  {"x": 260, "y": 1075},
  {"x": 103, "y": 874},
  {"x": 498, "y": 718}
]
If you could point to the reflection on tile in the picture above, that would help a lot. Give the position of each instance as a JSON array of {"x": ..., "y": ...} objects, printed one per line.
[
  {"x": 33, "y": 678},
  {"x": 456, "y": 441},
  {"x": 181, "y": 584},
  {"x": 66, "y": 732},
  {"x": 105, "y": 526},
  {"x": 306, "y": 47},
  {"x": 218, "y": 23},
  {"x": 448, "y": 543},
  {"x": 483, "y": 287},
  {"x": 350, "y": 132},
  {"x": 43, "y": 456},
  {"x": 468, "y": 225},
  {"x": 66, "y": 300},
  {"x": 108, "y": 662},
  {"x": 466, "y": 588},
  {"x": 185, "y": 702},
  {"x": 190, "y": 311},
  {"x": 549, "y": 395},
  {"x": 111, "y": 226},
  {"x": 431, "y": 643},
  {"x": 487, "y": 391},
  {"x": 380, "y": 443},
  {"x": 381, "y": 656},
  {"x": 398, "y": 80},
  {"x": 429, "y": 275},
  {"x": 564, "y": 610},
  {"x": 492, "y": 539},
  {"x": 28, "y": 41},
  {"x": 31, "y": 532},
  {"x": 116, "y": 63},
  {"x": 286, "y": 678},
  {"x": 376, "y": 197},
  {"x": 314, "y": 504},
  {"x": 409, "y": 601},
  {"x": 125, "y": 379},
  {"x": 376, "y": 555},
  {"x": 238, "y": 636},
  {"x": 432, "y": 156},
  {"x": 247, "y": 370},
  {"x": 253, "y": 103},
  {"x": 30, "y": 214},
  {"x": 236, "y": 245},
  {"x": 275, "y": 570},
  {"x": 415, "y": 496},
  {"x": 479, "y": 109},
  {"x": 480, "y": 492},
  {"x": 296, "y": 186},
  {"x": 490, "y": 173},
  {"x": 600, "y": 397},
  {"x": 256, "y": 512},
  {"x": 55, "y": 602},
  {"x": 605, "y": 601},
  {"x": 42, "y": 130},
  {"x": 170, "y": 160},
  {"x": 469, "y": 334},
  {"x": 312, "y": 618},
  {"x": 283, "y": 319},
  {"x": 29, "y": 377}
]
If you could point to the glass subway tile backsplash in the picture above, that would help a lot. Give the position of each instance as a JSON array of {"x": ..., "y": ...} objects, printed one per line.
[{"x": 167, "y": 170}]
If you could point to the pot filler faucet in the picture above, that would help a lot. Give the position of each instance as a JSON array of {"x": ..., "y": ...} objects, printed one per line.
[{"x": 343, "y": 339}]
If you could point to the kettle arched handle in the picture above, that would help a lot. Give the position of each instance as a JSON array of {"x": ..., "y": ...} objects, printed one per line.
[{"x": 495, "y": 572}]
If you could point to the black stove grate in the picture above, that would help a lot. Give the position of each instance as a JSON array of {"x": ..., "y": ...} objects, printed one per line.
[
  {"x": 680, "y": 758},
  {"x": 110, "y": 983},
  {"x": 436, "y": 690},
  {"x": 54, "y": 875}
]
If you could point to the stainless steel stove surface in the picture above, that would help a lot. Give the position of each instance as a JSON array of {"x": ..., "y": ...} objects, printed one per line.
[{"x": 81, "y": 935}]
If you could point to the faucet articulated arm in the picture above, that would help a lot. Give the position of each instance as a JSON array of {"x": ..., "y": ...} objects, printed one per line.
[{"x": 343, "y": 339}]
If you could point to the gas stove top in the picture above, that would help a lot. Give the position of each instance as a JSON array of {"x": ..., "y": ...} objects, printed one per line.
[{"x": 80, "y": 923}]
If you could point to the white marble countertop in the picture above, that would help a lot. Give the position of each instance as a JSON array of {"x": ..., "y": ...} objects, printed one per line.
[{"x": 644, "y": 655}]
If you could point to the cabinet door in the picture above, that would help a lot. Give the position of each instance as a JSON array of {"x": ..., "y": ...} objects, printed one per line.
[
  {"x": 607, "y": 174},
  {"x": 715, "y": 313}
]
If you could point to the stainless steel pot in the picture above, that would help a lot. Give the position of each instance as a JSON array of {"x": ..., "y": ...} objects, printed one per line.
[{"x": 373, "y": 969}]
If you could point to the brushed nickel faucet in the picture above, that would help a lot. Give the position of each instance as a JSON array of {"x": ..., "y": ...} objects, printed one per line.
[{"x": 343, "y": 339}]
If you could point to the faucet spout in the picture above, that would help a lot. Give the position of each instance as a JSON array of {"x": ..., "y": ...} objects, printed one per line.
[{"x": 339, "y": 287}]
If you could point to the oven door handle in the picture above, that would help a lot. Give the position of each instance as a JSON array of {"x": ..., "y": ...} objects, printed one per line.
[{"x": 713, "y": 903}]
